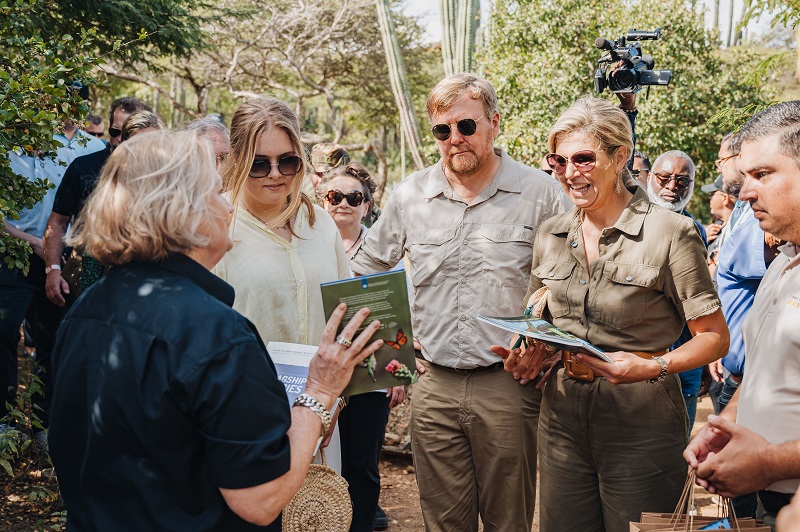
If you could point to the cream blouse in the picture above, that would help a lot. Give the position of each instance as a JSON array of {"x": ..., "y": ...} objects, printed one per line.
[{"x": 277, "y": 281}]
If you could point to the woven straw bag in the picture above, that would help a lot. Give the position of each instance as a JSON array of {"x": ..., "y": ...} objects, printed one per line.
[{"x": 322, "y": 504}]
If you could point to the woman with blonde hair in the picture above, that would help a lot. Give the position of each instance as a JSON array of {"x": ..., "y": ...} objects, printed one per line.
[
  {"x": 285, "y": 246},
  {"x": 167, "y": 411},
  {"x": 626, "y": 276}
]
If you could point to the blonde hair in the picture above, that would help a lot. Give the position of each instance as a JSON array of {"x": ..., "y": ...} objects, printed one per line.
[
  {"x": 251, "y": 120},
  {"x": 138, "y": 121},
  {"x": 596, "y": 117},
  {"x": 153, "y": 198},
  {"x": 448, "y": 91}
]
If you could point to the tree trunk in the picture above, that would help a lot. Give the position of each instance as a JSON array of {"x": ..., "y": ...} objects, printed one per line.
[
  {"x": 716, "y": 14},
  {"x": 399, "y": 80},
  {"x": 730, "y": 26},
  {"x": 797, "y": 40}
]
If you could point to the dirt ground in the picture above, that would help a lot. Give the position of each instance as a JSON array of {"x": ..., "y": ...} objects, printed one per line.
[{"x": 400, "y": 497}]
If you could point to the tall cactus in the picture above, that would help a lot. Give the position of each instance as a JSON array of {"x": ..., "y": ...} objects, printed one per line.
[
  {"x": 459, "y": 20},
  {"x": 399, "y": 80}
]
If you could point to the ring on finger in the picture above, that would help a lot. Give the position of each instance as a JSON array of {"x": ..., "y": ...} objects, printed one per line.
[{"x": 341, "y": 340}]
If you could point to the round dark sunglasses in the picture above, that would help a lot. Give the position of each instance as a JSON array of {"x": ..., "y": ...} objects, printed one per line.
[
  {"x": 288, "y": 165},
  {"x": 114, "y": 132},
  {"x": 354, "y": 198},
  {"x": 466, "y": 127},
  {"x": 681, "y": 181},
  {"x": 583, "y": 160}
]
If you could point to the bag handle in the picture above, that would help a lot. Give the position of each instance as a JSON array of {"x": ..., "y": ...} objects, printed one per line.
[{"x": 686, "y": 502}]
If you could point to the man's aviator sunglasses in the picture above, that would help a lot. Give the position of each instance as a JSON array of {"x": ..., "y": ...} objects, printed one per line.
[
  {"x": 354, "y": 198},
  {"x": 466, "y": 127},
  {"x": 288, "y": 166},
  {"x": 583, "y": 160}
]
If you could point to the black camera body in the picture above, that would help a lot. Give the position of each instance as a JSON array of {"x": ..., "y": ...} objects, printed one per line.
[{"x": 636, "y": 68}]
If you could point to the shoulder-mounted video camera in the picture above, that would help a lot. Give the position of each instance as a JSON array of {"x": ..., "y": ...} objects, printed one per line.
[{"x": 636, "y": 68}]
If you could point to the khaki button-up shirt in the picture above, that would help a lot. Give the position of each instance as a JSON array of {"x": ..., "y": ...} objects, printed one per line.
[
  {"x": 464, "y": 259},
  {"x": 650, "y": 278}
]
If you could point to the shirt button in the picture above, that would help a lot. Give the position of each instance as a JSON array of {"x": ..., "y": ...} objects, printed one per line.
[
  {"x": 608, "y": 241},
  {"x": 583, "y": 281},
  {"x": 462, "y": 317},
  {"x": 551, "y": 274},
  {"x": 775, "y": 300},
  {"x": 463, "y": 280},
  {"x": 629, "y": 278},
  {"x": 574, "y": 244},
  {"x": 300, "y": 282},
  {"x": 464, "y": 241}
]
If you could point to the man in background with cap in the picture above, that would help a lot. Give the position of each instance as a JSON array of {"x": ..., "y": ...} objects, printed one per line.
[
  {"x": 324, "y": 157},
  {"x": 721, "y": 204}
]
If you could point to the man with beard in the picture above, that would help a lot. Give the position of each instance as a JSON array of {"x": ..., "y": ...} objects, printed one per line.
[
  {"x": 670, "y": 185},
  {"x": 467, "y": 224}
]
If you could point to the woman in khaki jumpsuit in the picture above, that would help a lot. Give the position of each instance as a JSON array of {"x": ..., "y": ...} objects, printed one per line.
[{"x": 624, "y": 275}]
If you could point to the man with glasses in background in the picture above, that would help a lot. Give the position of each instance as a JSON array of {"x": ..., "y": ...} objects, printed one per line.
[
  {"x": 670, "y": 185},
  {"x": 79, "y": 181},
  {"x": 641, "y": 168},
  {"x": 467, "y": 224},
  {"x": 95, "y": 126}
]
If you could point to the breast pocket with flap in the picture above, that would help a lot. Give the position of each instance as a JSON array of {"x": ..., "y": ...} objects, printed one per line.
[{"x": 623, "y": 292}]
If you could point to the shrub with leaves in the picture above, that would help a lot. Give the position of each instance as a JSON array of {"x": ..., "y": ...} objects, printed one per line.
[{"x": 36, "y": 95}]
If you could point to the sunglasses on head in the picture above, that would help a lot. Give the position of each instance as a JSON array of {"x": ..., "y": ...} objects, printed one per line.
[
  {"x": 288, "y": 165},
  {"x": 583, "y": 160},
  {"x": 466, "y": 127},
  {"x": 114, "y": 132},
  {"x": 354, "y": 198},
  {"x": 681, "y": 181}
]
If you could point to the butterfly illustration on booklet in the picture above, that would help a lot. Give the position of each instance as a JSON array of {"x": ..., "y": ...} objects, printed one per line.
[{"x": 400, "y": 340}]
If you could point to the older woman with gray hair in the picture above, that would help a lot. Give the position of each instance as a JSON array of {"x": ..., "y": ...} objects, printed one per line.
[{"x": 167, "y": 410}]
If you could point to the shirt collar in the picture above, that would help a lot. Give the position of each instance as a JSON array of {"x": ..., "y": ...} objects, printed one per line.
[
  {"x": 216, "y": 287},
  {"x": 506, "y": 179},
  {"x": 629, "y": 222}
]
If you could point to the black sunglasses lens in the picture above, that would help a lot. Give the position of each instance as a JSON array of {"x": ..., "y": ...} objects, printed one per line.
[
  {"x": 467, "y": 127},
  {"x": 682, "y": 182},
  {"x": 355, "y": 198},
  {"x": 260, "y": 168},
  {"x": 114, "y": 132},
  {"x": 441, "y": 131},
  {"x": 289, "y": 165}
]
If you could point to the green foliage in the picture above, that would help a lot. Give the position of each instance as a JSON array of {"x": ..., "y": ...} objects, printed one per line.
[
  {"x": 35, "y": 98},
  {"x": 540, "y": 58},
  {"x": 172, "y": 27}
]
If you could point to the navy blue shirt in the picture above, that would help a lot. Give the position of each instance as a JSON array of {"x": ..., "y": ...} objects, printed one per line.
[
  {"x": 163, "y": 394},
  {"x": 79, "y": 181}
]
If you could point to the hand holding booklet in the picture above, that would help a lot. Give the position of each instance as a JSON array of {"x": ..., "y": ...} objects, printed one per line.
[{"x": 544, "y": 331}]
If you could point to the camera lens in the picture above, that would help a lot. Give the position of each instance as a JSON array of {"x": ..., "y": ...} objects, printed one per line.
[{"x": 622, "y": 79}]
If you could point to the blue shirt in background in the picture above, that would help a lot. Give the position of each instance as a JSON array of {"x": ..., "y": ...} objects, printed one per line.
[
  {"x": 33, "y": 221},
  {"x": 740, "y": 268}
]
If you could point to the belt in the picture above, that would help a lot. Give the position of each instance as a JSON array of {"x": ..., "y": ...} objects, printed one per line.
[
  {"x": 490, "y": 367},
  {"x": 773, "y": 501},
  {"x": 736, "y": 378},
  {"x": 582, "y": 372}
]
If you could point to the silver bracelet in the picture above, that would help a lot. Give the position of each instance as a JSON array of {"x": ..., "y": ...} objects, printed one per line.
[
  {"x": 663, "y": 373},
  {"x": 317, "y": 407}
]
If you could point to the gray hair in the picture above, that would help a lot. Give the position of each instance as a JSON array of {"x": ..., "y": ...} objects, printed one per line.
[
  {"x": 675, "y": 154},
  {"x": 208, "y": 124},
  {"x": 783, "y": 120}
]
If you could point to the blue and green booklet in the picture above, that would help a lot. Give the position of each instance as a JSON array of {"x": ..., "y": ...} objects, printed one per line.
[{"x": 386, "y": 295}]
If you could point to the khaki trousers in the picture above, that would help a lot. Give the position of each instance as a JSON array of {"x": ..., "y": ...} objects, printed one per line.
[
  {"x": 473, "y": 435},
  {"x": 608, "y": 453}
]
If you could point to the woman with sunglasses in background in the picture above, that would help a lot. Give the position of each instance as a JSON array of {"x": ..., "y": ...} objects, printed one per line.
[
  {"x": 284, "y": 245},
  {"x": 346, "y": 192},
  {"x": 624, "y": 275}
]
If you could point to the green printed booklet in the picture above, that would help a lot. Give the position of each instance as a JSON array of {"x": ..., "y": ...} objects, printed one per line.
[
  {"x": 386, "y": 296},
  {"x": 544, "y": 331}
]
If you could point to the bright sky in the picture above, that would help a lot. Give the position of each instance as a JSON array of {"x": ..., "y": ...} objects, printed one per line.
[{"x": 429, "y": 11}]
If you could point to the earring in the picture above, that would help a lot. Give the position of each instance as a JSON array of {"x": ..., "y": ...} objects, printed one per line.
[{"x": 618, "y": 186}]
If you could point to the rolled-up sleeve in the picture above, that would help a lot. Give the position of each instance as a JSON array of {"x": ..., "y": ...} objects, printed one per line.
[
  {"x": 689, "y": 283},
  {"x": 383, "y": 246}
]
